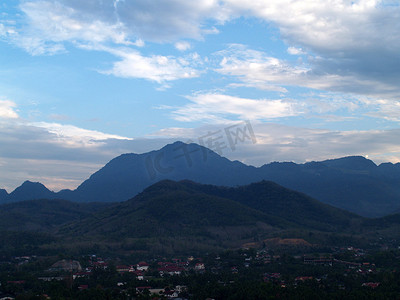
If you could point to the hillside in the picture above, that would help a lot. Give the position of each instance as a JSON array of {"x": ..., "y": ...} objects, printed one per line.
[
  {"x": 275, "y": 200},
  {"x": 177, "y": 217},
  {"x": 43, "y": 215},
  {"x": 164, "y": 209},
  {"x": 210, "y": 215}
]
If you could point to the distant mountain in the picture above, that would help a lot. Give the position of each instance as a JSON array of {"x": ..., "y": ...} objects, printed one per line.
[
  {"x": 186, "y": 209},
  {"x": 128, "y": 174},
  {"x": 43, "y": 215},
  {"x": 29, "y": 191},
  {"x": 352, "y": 183}
]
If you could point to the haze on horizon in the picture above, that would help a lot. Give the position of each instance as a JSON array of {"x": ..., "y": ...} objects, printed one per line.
[{"x": 82, "y": 82}]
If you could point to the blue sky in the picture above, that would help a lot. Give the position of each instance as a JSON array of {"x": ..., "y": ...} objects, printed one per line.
[{"x": 84, "y": 81}]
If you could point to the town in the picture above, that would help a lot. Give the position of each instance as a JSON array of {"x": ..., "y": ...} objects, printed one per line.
[{"x": 233, "y": 274}]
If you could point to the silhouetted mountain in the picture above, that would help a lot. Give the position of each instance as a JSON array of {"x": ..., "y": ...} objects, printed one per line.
[
  {"x": 275, "y": 200},
  {"x": 167, "y": 209},
  {"x": 351, "y": 163},
  {"x": 352, "y": 183},
  {"x": 30, "y": 191},
  {"x": 43, "y": 215},
  {"x": 128, "y": 174},
  {"x": 190, "y": 209}
]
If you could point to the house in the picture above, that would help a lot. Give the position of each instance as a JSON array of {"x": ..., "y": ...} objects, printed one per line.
[
  {"x": 123, "y": 269},
  {"x": 171, "y": 294},
  {"x": 142, "y": 266},
  {"x": 66, "y": 266},
  {"x": 156, "y": 291},
  {"x": 271, "y": 277},
  {"x": 51, "y": 278},
  {"x": 199, "y": 267},
  {"x": 171, "y": 270},
  {"x": 17, "y": 282},
  {"x": 80, "y": 275},
  {"x": 83, "y": 287},
  {"x": 373, "y": 285},
  {"x": 141, "y": 289},
  {"x": 139, "y": 275},
  {"x": 181, "y": 288},
  {"x": 100, "y": 265},
  {"x": 303, "y": 278}
]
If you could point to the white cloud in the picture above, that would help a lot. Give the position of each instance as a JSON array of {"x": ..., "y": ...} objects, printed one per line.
[
  {"x": 182, "y": 46},
  {"x": 7, "y": 109},
  {"x": 218, "y": 107},
  {"x": 295, "y": 51},
  {"x": 156, "y": 68},
  {"x": 74, "y": 136}
]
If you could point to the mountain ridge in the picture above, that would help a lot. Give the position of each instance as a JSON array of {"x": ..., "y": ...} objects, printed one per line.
[{"x": 352, "y": 183}]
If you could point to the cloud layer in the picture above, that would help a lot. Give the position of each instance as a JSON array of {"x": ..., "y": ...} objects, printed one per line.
[{"x": 343, "y": 56}]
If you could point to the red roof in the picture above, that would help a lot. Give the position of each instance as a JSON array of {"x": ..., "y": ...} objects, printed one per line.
[
  {"x": 304, "y": 278},
  {"x": 138, "y": 273},
  {"x": 83, "y": 287},
  {"x": 371, "y": 284}
]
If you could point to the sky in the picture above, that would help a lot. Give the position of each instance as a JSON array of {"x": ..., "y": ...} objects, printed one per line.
[{"x": 82, "y": 82}]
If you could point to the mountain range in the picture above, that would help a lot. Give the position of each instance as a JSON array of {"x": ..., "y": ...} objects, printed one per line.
[
  {"x": 171, "y": 217},
  {"x": 355, "y": 183}
]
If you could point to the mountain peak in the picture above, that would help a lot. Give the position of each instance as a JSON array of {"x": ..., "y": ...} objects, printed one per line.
[
  {"x": 351, "y": 163},
  {"x": 177, "y": 143},
  {"x": 31, "y": 190},
  {"x": 27, "y": 183}
]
